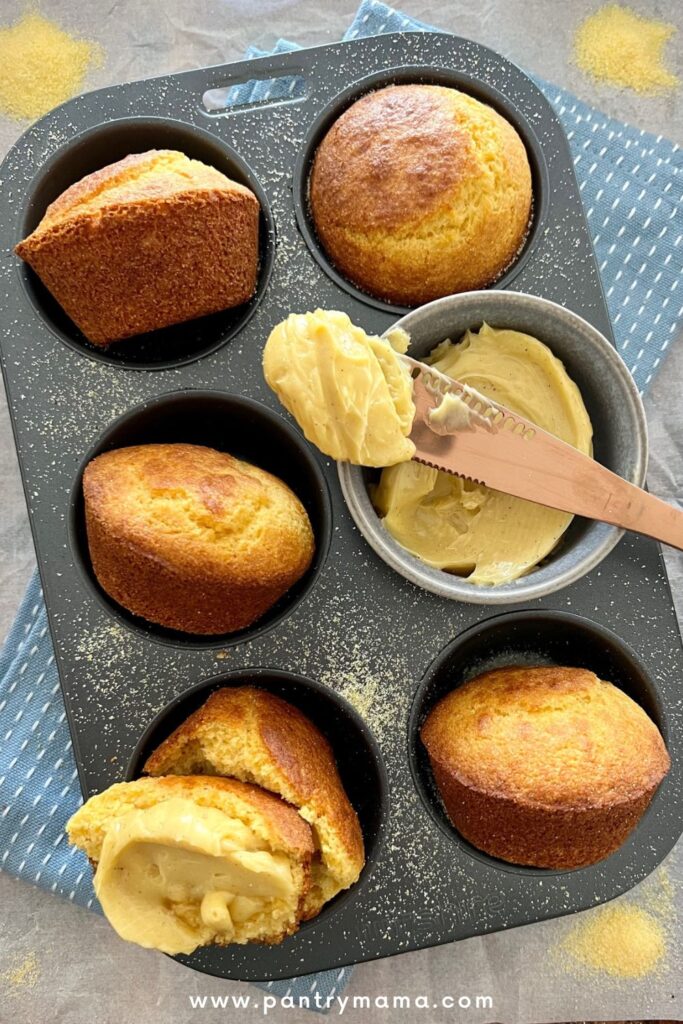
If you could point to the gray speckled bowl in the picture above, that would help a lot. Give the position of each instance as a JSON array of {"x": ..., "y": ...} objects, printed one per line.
[{"x": 614, "y": 406}]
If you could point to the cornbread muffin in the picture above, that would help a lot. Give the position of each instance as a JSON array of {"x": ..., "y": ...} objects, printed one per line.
[
  {"x": 252, "y": 735},
  {"x": 184, "y": 862},
  {"x": 152, "y": 240},
  {"x": 550, "y": 767},
  {"x": 419, "y": 191},
  {"x": 348, "y": 390},
  {"x": 191, "y": 538}
]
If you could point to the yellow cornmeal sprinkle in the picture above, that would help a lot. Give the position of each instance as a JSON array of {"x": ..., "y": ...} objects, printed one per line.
[
  {"x": 41, "y": 66},
  {"x": 623, "y": 941},
  {"x": 23, "y": 973},
  {"x": 617, "y": 46}
]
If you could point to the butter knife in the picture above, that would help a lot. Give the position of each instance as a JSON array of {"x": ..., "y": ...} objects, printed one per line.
[{"x": 460, "y": 431}]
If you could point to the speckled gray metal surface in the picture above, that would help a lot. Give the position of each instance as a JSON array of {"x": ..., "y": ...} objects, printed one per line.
[{"x": 363, "y": 630}]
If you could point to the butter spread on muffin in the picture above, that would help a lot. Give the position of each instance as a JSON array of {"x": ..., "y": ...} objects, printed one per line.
[
  {"x": 151, "y": 240},
  {"x": 347, "y": 390},
  {"x": 184, "y": 862},
  {"x": 550, "y": 767},
  {"x": 191, "y": 538},
  {"x": 464, "y": 527},
  {"x": 250, "y": 734},
  {"x": 419, "y": 191}
]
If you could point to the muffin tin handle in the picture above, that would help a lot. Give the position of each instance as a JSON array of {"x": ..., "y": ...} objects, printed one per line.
[
  {"x": 259, "y": 82},
  {"x": 250, "y": 93}
]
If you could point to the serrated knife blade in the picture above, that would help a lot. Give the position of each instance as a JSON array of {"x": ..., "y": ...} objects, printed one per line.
[{"x": 474, "y": 437}]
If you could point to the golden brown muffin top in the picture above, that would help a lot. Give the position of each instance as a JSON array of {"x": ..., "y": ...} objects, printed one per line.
[
  {"x": 553, "y": 737},
  {"x": 140, "y": 177},
  {"x": 391, "y": 157},
  {"x": 419, "y": 191},
  {"x": 200, "y": 510},
  {"x": 297, "y": 750}
]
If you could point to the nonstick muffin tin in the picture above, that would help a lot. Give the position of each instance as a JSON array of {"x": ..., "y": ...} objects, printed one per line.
[{"x": 354, "y": 630}]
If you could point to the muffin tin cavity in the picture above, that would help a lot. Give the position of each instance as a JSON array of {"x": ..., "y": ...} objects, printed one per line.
[
  {"x": 243, "y": 428},
  {"x": 614, "y": 408},
  {"x": 522, "y": 638},
  {"x": 355, "y": 749},
  {"x": 476, "y": 88},
  {"x": 96, "y": 148}
]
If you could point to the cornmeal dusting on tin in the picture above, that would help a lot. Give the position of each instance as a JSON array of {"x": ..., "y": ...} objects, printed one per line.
[
  {"x": 23, "y": 972},
  {"x": 624, "y": 940},
  {"x": 618, "y": 46},
  {"x": 369, "y": 699},
  {"x": 41, "y": 66}
]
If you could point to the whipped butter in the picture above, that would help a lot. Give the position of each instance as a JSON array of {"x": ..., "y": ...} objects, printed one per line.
[
  {"x": 347, "y": 390},
  {"x": 451, "y": 414},
  {"x": 464, "y": 527},
  {"x": 177, "y": 875}
]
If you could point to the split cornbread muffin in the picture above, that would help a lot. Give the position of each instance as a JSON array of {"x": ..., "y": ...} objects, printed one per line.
[
  {"x": 184, "y": 862},
  {"x": 548, "y": 767},
  {"x": 250, "y": 734},
  {"x": 419, "y": 191},
  {"x": 151, "y": 240},
  {"x": 243, "y": 831}
]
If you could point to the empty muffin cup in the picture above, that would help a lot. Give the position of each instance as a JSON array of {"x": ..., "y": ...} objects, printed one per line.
[
  {"x": 355, "y": 749},
  {"x": 614, "y": 408},
  {"x": 227, "y": 423},
  {"x": 527, "y": 639},
  {"x": 97, "y": 148},
  {"x": 471, "y": 87}
]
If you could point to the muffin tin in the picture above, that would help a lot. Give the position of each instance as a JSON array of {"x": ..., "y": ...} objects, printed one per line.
[{"x": 354, "y": 629}]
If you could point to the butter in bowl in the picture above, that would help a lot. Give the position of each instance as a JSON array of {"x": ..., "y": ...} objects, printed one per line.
[{"x": 545, "y": 369}]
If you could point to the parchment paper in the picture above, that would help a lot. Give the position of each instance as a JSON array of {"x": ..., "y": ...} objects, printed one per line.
[{"x": 83, "y": 972}]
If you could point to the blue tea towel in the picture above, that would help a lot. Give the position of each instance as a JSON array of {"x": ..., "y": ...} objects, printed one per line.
[{"x": 631, "y": 191}]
